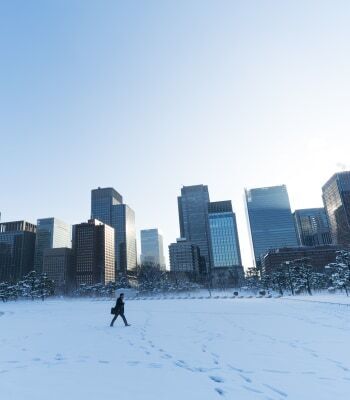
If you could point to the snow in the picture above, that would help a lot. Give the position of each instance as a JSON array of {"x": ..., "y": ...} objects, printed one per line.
[{"x": 191, "y": 349}]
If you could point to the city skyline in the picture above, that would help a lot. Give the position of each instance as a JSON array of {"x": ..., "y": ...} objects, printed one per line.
[
  {"x": 247, "y": 252},
  {"x": 122, "y": 96}
]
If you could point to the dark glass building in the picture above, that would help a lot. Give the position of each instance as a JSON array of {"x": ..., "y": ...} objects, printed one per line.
[
  {"x": 312, "y": 228},
  {"x": 318, "y": 256},
  {"x": 270, "y": 220},
  {"x": 93, "y": 246},
  {"x": 336, "y": 200},
  {"x": 107, "y": 206},
  {"x": 17, "y": 245},
  {"x": 123, "y": 221},
  {"x": 193, "y": 219},
  {"x": 102, "y": 202},
  {"x": 184, "y": 256},
  {"x": 58, "y": 265},
  {"x": 50, "y": 233}
]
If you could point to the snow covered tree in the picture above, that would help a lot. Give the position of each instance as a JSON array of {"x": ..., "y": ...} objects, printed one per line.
[
  {"x": 151, "y": 278},
  {"x": 279, "y": 279},
  {"x": 35, "y": 285},
  {"x": 252, "y": 279},
  {"x": 339, "y": 271},
  {"x": 4, "y": 294},
  {"x": 300, "y": 274}
]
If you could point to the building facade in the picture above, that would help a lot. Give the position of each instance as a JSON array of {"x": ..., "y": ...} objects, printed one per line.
[
  {"x": 184, "y": 256},
  {"x": 50, "y": 233},
  {"x": 225, "y": 250},
  {"x": 107, "y": 206},
  {"x": 226, "y": 262},
  {"x": 270, "y": 220},
  {"x": 102, "y": 202},
  {"x": 336, "y": 200},
  {"x": 123, "y": 219},
  {"x": 58, "y": 265},
  {"x": 152, "y": 248},
  {"x": 93, "y": 246},
  {"x": 17, "y": 246},
  {"x": 193, "y": 220},
  {"x": 312, "y": 228},
  {"x": 319, "y": 256}
]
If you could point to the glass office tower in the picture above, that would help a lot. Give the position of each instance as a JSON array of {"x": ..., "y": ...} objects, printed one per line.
[
  {"x": 123, "y": 221},
  {"x": 270, "y": 220},
  {"x": 336, "y": 200},
  {"x": 193, "y": 219},
  {"x": 107, "y": 206},
  {"x": 93, "y": 246},
  {"x": 102, "y": 202},
  {"x": 225, "y": 250},
  {"x": 51, "y": 233},
  {"x": 152, "y": 248},
  {"x": 17, "y": 245},
  {"x": 311, "y": 225}
]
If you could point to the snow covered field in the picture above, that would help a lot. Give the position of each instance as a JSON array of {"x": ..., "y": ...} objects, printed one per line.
[{"x": 175, "y": 349}]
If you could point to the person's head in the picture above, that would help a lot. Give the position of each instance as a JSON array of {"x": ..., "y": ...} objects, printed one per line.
[{"x": 121, "y": 295}]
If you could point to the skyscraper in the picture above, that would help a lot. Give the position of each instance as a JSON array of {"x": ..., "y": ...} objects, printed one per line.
[
  {"x": 336, "y": 199},
  {"x": 102, "y": 202},
  {"x": 58, "y": 265},
  {"x": 184, "y": 256},
  {"x": 93, "y": 246},
  {"x": 107, "y": 206},
  {"x": 17, "y": 245},
  {"x": 270, "y": 220},
  {"x": 312, "y": 227},
  {"x": 193, "y": 219},
  {"x": 123, "y": 220},
  {"x": 225, "y": 250},
  {"x": 152, "y": 248},
  {"x": 50, "y": 233}
]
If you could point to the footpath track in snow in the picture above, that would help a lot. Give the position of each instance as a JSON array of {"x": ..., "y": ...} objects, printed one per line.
[{"x": 267, "y": 349}]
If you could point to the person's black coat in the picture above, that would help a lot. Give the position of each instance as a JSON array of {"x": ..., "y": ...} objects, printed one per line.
[{"x": 119, "y": 307}]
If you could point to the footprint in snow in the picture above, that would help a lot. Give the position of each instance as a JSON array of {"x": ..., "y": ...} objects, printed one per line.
[
  {"x": 133, "y": 363},
  {"x": 182, "y": 364},
  {"x": 278, "y": 391},
  {"x": 250, "y": 389},
  {"x": 245, "y": 378},
  {"x": 216, "y": 379},
  {"x": 276, "y": 371},
  {"x": 219, "y": 391},
  {"x": 155, "y": 365}
]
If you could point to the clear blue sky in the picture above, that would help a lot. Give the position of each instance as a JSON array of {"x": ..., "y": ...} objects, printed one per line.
[{"x": 147, "y": 96}]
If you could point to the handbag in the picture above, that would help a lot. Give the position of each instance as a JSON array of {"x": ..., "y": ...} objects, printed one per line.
[{"x": 113, "y": 310}]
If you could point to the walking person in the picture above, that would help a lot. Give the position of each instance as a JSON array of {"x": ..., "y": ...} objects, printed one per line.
[{"x": 119, "y": 310}]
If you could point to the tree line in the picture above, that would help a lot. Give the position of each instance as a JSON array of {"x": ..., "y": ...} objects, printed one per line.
[
  {"x": 33, "y": 286},
  {"x": 298, "y": 276},
  {"x": 293, "y": 277}
]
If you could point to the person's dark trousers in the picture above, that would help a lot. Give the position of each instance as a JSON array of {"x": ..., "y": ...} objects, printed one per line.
[{"x": 116, "y": 316}]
